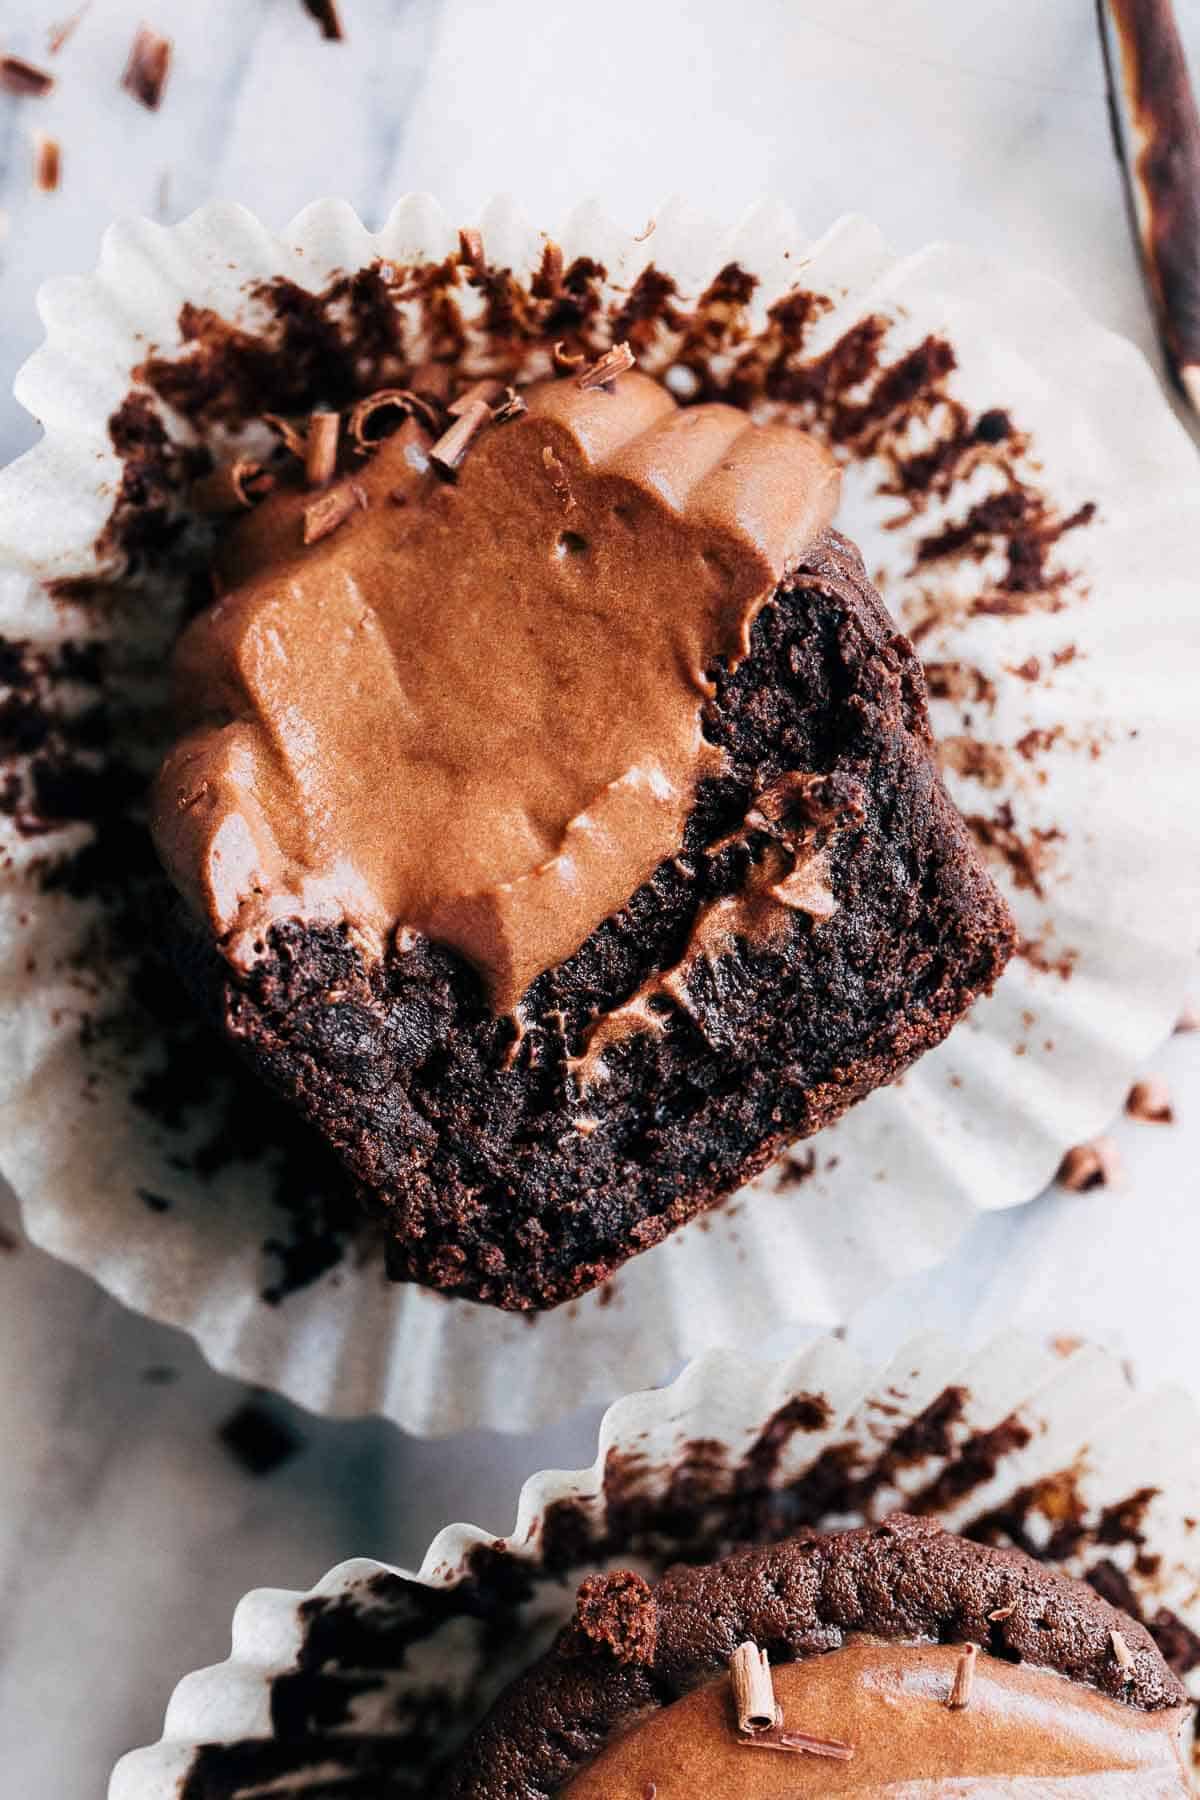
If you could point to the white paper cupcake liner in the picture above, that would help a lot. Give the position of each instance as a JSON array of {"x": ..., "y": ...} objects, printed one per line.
[
  {"x": 383, "y": 1672},
  {"x": 1071, "y": 730}
]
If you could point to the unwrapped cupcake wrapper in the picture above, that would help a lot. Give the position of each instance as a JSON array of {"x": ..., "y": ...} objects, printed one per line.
[
  {"x": 375, "y": 1676},
  {"x": 1029, "y": 505}
]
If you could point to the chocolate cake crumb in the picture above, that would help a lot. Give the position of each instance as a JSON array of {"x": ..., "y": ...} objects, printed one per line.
[
  {"x": 1093, "y": 1165},
  {"x": 616, "y": 1615},
  {"x": 23, "y": 78},
  {"x": 1150, "y": 1101},
  {"x": 149, "y": 64},
  {"x": 258, "y": 1440}
]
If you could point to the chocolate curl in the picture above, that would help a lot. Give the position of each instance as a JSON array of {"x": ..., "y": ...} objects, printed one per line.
[
  {"x": 753, "y": 1690},
  {"x": 614, "y": 362},
  {"x": 292, "y": 436},
  {"x": 964, "y": 1679},
  {"x": 798, "y": 1743},
  {"x": 452, "y": 446},
  {"x": 488, "y": 391},
  {"x": 321, "y": 448},
  {"x": 1157, "y": 131},
  {"x": 332, "y": 509},
  {"x": 234, "y": 487}
]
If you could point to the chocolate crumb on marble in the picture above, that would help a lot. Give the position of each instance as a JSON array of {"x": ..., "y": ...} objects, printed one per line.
[
  {"x": 59, "y": 35},
  {"x": 1150, "y": 1101},
  {"x": 327, "y": 14},
  {"x": 147, "y": 68},
  {"x": 23, "y": 78},
  {"x": 1095, "y": 1164},
  {"x": 258, "y": 1440},
  {"x": 47, "y": 162}
]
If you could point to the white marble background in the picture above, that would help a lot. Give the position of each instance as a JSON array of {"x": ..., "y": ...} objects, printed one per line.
[{"x": 126, "y": 1532}]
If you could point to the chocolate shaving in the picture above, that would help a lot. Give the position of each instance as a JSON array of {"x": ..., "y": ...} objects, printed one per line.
[
  {"x": 293, "y": 437},
  {"x": 22, "y": 78},
  {"x": 332, "y": 509},
  {"x": 547, "y": 283},
  {"x": 1001, "y": 1613},
  {"x": 488, "y": 390},
  {"x": 558, "y": 476},
  {"x": 232, "y": 487},
  {"x": 606, "y": 368},
  {"x": 321, "y": 448},
  {"x": 47, "y": 162},
  {"x": 753, "y": 1690},
  {"x": 58, "y": 34},
  {"x": 1124, "y": 1656},
  {"x": 798, "y": 1743},
  {"x": 453, "y": 444},
  {"x": 1087, "y": 1166},
  {"x": 565, "y": 360},
  {"x": 148, "y": 66},
  {"x": 1157, "y": 131},
  {"x": 964, "y": 1679},
  {"x": 470, "y": 249},
  {"x": 326, "y": 13},
  {"x": 385, "y": 400},
  {"x": 510, "y": 407},
  {"x": 648, "y": 230}
]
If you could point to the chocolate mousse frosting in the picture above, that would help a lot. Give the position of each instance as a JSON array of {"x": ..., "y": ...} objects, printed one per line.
[
  {"x": 473, "y": 710},
  {"x": 902, "y": 1661}
]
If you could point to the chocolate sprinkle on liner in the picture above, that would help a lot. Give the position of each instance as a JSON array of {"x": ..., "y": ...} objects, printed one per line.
[
  {"x": 614, "y": 362},
  {"x": 452, "y": 446},
  {"x": 328, "y": 17},
  {"x": 1150, "y": 1101},
  {"x": 22, "y": 78},
  {"x": 148, "y": 66},
  {"x": 1086, "y": 1166},
  {"x": 47, "y": 162},
  {"x": 964, "y": 1679},
  {"x": 488, "y": 390},
  {"x": 232, "y": 487},
  {"x": 58, "y": 34},
  {"x": 332, "y": 509},
  {"x": 321, "y": 448}
]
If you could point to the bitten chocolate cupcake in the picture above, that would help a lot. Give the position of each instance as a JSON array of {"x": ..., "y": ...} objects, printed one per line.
[
  {"x": 890, "y": 1660},
  {"x": 556, "y": 816}
]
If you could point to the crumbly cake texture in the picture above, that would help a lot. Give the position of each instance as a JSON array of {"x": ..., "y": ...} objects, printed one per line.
[
  {"x": 905, "y": 1579},
  {"x": 512, "y": 1169}
]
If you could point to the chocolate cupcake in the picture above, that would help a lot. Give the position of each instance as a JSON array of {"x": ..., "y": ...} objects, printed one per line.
[
  {"x": 557, "y": 816},
  {"x": 894, "y": 1659}
]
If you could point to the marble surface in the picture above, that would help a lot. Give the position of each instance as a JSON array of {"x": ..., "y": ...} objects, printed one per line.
[{"x": 127, "y": 1532}]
